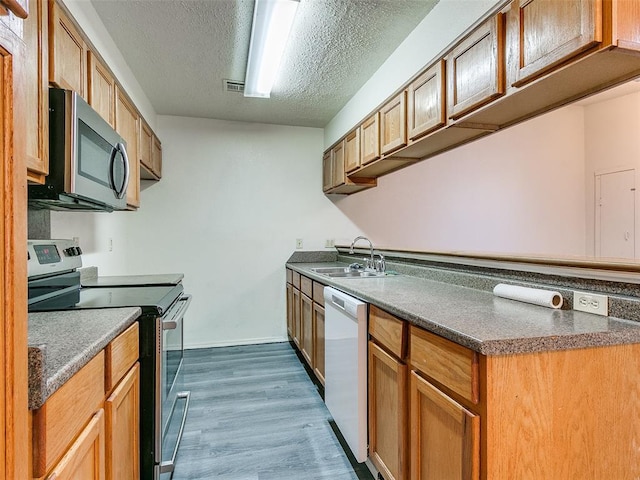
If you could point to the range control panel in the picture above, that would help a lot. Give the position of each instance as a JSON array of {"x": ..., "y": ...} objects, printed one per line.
[{"x": 46, "y": 257}]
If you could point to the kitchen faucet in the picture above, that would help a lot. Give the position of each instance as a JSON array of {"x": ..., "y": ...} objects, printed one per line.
[{"x": 380, "y": 265}]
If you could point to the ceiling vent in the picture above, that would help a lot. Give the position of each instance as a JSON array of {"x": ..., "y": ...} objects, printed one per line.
[{"x": 233, "y": 86}]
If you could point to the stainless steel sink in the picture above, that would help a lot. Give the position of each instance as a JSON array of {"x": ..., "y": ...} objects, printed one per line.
[{"x": 346, "y": 272}]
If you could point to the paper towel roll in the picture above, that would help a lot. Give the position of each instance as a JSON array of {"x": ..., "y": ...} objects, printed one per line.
[{"x": 545, "y": 298}]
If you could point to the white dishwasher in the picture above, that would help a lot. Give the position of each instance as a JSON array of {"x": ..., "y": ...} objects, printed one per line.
[{"x": 345, "y": 391}]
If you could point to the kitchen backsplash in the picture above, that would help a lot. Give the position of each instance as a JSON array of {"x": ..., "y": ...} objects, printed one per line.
[{"x": 39, "y": 224}]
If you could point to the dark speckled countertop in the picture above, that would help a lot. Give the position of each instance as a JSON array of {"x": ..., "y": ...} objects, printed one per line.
[
  {"x": 476, "y": 318},
  {"x": 61, "y": 343}
]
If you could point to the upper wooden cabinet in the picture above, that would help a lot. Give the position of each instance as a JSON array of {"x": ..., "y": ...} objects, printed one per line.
[
  {"x": 337, "y": 162},
  {"x": 553, "y": 32},
  {"x": 102, "y": 89},
  {"x": 36, "y": 62},
  {"x": 426, "y": 109},
  {"x": 128, "y": 125},
  {"x": 156, "y": 156},
  {"x": 393, "y": 124},
  {"x": 475, "y": 69},
  {"x": 370, "y": 139},
  {"x": 67, "y": 52},
  {"x": 145, "y": 150},
  {"x": 327, "y": 172},
  {"x": 352, "y": 151}
]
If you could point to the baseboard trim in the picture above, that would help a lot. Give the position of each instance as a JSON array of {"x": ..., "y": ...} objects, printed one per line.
[{"x": 235, "y": 343}]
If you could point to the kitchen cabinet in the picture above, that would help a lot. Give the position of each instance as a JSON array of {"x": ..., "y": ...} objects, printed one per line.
[
  {"x": 156, "y": 156},
  {"x": 445, "y": 437},
  {"x": 128, "y": 125},
  {"x": 426, "y": 109},
  {"x": 67, "y": 52},
  {"x": 36, "y": 63},
  {"x": 102, "y": 89},
  {"x": 123, "y": 443},
  {"x": 370, "y": 139},
  {"x": 340, "y": 183},
  {"x": 352, "y": 151},
  {"x": 327, "y": 172},
  {"x": 476, "y": 69},
  {"x": 145, "y": 151},
  {"x": 85, "y": 459},
  {"x": 337, "y": 165},
  {"x": 78, "y": 433},
  {"x": 305, "y": 320},
  {"x": 387, "y": 387},
  {"x": 576, "y": 27},
  {"x": 306, "y": 333},
  {"x": 393, "y": 124}
]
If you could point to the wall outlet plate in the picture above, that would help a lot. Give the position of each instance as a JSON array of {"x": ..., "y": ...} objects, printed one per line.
[
  {"x": 329, "y": 243},
  {"x": 591, "y": 303},
  {"x": 298, "y": 243}
]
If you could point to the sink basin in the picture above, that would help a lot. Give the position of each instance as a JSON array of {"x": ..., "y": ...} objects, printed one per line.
[{"x": 345, "y": 272}]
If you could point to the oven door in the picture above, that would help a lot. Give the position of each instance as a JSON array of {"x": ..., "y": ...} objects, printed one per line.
[{"x": 174, "y": 401}]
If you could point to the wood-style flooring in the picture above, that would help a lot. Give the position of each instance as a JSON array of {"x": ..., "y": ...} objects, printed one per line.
[{"x": 255, "y": 415}]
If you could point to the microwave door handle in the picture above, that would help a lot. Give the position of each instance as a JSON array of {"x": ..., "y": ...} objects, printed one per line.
[{"x": 123, "y": 151}]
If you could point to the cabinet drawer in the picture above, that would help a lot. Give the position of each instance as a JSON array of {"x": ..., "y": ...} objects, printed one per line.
[
  {"x": 65, "y": 413},
  {"x": 306, "y": 286},
  {"x": 453, "y": 366},
  {"x": 318, "y": 293},
  {"x": 289, "y": 276},
  {"x": 296, "y": 280},
  {"x": 388, "y": 331},
  {"x": 121, "y": 354}
]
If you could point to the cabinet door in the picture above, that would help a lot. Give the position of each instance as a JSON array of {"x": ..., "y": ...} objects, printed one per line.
[
  {"x": 85, "y": 459},
  {"x": 475, "y": 68},
  {"x": 370, "y": 139},
  {"x": 388, "y": 429},
  {"x": 306, "y": 335},
  {"x": 127, "y": 125},
  {"x": 337, "y": 164},
  {"x": 445, "y": 437},
  {"x": 327, "y": 172},
  {"x": 156, "y": 156},
  {"x": 318, "y": 344},
  {"x": 426, "y": 110},
  {"x": 352, "y": 151},
  {"x": 37, "y": 90},
  {"x": 67, "y": 52},
  {"x": 296, "y": 316},
  {"x": 393, "y": 124},
  {"x": 553, "y": 32},
  {"x": 145, "y": 146},
  {"x": 123, "y": 428},
  {"x": 290, "y": 310},
  {"x": 102, "y": 89}
]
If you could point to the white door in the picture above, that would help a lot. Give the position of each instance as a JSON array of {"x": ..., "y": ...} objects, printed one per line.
[{"x": 615, "y": 214}]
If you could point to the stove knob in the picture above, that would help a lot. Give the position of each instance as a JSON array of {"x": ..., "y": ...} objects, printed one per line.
[
  {"x": 78, "y": 251},
  {"x": 68, "y": 252}
]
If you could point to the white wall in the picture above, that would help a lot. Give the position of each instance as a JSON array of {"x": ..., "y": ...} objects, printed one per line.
[
  {"x": 232, "y": 201},
  {"x": 447, "y": 21},
  {"x": 612, "y": 143},
  {"x": 517, "y": 191}
]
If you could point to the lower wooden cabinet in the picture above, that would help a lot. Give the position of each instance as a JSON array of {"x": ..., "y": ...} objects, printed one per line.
[
  {"x": 305, "y": 320},
  {"x": 388, "y": 414},
  {"x": 318, "y": 336},
  {"x": 81, "y": 435},
  {"x": 306, "y": 334},
  {"x": 123, "y": 442},
  {"x": 85, "y": 459},
  {"x": 445, "y": 436}
]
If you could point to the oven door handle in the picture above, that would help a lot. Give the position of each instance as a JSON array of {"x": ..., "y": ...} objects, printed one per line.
[
  {"x": 173, "y": 318},
  {"x": 169, "y": 466}
]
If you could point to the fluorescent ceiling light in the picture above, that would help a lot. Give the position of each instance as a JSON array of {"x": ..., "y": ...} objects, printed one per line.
[{"x": 272, "y": 21}]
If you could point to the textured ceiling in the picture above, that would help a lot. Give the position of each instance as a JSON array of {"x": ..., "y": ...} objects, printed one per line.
[{"x": 181, "y": 51}]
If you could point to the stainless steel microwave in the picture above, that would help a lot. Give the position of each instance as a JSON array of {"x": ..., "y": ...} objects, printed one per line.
[{"x": 88, "y": 164}]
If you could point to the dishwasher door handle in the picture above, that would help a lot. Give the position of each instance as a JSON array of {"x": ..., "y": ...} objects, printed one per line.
[{"x": 338, "y": 302}]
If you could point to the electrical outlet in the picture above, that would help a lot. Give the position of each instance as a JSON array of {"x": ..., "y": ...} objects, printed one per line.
[
  {"x": 110, "y": 244},
  {"x": 76, "y": 240},
  {"x": 298, "y": 243},
  {"x": 591, "y": 303},
  {"x": 329, "y": 243}
]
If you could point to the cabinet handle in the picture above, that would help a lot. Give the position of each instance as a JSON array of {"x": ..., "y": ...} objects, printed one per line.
[{"x": 15, "y": 8}]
